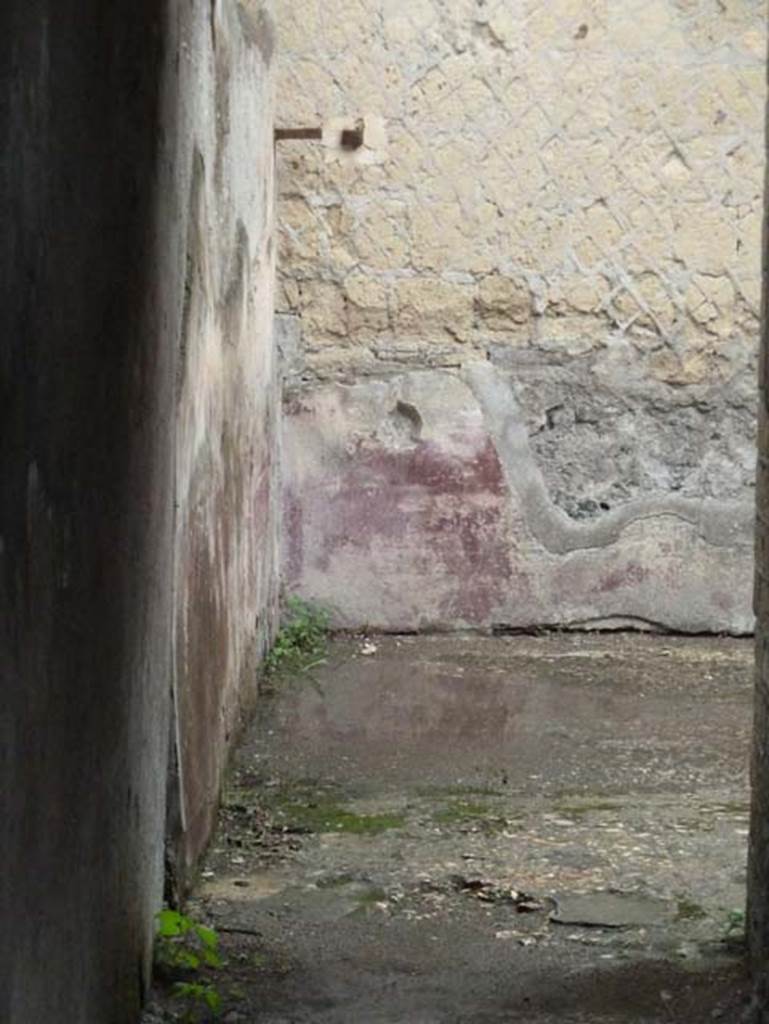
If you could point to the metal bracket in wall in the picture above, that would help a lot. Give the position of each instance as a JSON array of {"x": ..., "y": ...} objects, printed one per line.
[
  {"x": 285, "y": 134},
  {"x": 352, "y": 138},
  {"x": 349, "y": 138}
]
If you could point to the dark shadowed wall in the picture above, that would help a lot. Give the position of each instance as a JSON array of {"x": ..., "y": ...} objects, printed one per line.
[{"x": 136, "y": 415}]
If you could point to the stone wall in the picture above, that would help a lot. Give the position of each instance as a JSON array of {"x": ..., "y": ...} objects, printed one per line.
[
  {"x": 757, "y": 924},
  {"x": 540, "y": 172},
  {"x": 757, "y": 918},
  {"x": 566, "y": 190},
  {"x": 418, "y": 502},
  {"x": 137, "y": 426},
  {"x": 227, "y": 399}
]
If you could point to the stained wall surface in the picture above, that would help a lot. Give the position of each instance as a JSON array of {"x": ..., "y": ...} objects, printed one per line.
[
  {"x": 137, "y": 410},
  {"x": 569, "y": 192},
  {"x": 757, "y": 921},
  {"x": 227, "y": 400}
]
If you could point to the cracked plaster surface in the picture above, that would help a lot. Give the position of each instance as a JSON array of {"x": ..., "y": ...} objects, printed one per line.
[
  {"x": 420, "y": 502},
  {"x": 549, "y": 249}
]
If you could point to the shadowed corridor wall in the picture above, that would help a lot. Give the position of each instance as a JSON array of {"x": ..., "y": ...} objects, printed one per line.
[{"x": 138, "y": 523}]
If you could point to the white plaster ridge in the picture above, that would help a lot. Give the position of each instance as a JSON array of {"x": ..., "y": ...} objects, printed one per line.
[{"x": 718, "y": 523}]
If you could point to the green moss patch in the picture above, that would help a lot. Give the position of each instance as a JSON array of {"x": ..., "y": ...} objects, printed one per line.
[
  {"x": 322, "y": 816},
  {"x": 469, "y": 813},
  {"x": 688, "y": 910}
]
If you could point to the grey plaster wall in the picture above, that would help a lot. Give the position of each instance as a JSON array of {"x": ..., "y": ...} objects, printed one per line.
[
  {"x": 226, "y": 399},
  {"x": 135, "y": 341},
  {"x": 525, "y": 490},
  {"x": 758, "y": 857}
]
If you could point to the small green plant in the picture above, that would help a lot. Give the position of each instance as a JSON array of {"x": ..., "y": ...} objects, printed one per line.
[
  {"x": 184, "y": 947},
  {"x": 185, "y": 944},
  {"x": 197, "y": 995},
  {"x": 301, "y": 641},
  {"x": 735, "y": 922}
]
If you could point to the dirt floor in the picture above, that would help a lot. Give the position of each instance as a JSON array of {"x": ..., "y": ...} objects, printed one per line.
[{"x": 439, "y": 830}]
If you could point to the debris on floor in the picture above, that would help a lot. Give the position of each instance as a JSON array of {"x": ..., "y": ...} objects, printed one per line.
[{"x": 469, "y": 829}]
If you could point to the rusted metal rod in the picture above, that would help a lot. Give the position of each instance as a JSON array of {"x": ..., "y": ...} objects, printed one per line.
[
  {"x": 349, "y": 138},
  {"x": 282, "y": 134}
]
